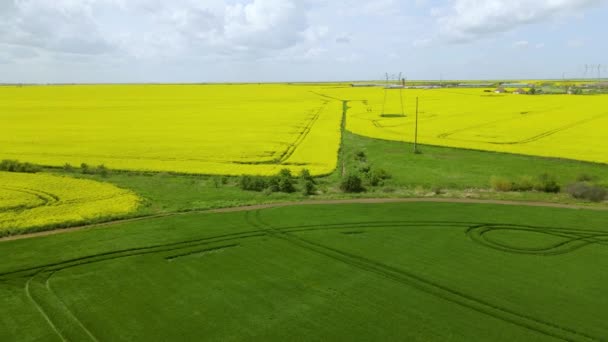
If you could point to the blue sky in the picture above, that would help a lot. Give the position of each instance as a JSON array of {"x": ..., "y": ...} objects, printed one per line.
[{"x": 91, "y": 41}]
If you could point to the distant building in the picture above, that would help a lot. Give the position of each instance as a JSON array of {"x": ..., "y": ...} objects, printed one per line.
[
  {"x": 520, "y": 91},
  {"x": 598, "y": 85},
  {"x": 475, "y": 85},
  {"x": 516, "y": 85},
  {"x": 356, "y": 85},
  {"x": 500, "y": 90}
]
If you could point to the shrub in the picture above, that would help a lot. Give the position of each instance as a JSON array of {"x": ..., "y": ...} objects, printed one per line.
[
  {"x": 307, "y": 183},
  {"x": 582, "y": 190},
  {"x": 67, "y": 167},
  {"x": 501, "y": 184},
  {"x": 284, "y": 181},
  {"x": 365, "y": 168},
  {"x": 546, "y": 183},
  {"x": 84, "y": 168},
  {"x": 308, "y": 187},
  {"x": 351, "y": 183},
  {"x": 437, "y": 190},
  {"x": 583, "y": 177},
  {"x": 377, "y": 177},
  {"x": 360, "y": 156},
  {"x": 16, "y": 166},
  {"x": 285, "y": 173},
  {"x": 253, "y": 183},
  {"x": 306, "y": 176},
  {"x": 524, "y": 183},
  {"x": 281, "y": 182},
  {"x": 102, "y": 170},
  {"x": 286, "y": 185}
]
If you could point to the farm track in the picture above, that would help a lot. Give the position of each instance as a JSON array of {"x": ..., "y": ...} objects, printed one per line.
[
  {"x": 44, "y": 198},
  {"x": 522, "y": 141},
  {"x": 307, "y": 202},
  {"x": 37, "y": 280},
  {"x": 425, "y": 285},
  {"x": 571, "y": 239}
]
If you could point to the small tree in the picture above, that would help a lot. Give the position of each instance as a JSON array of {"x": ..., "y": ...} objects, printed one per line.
[
  {"x": 351, "y": 183},
  {"x": 547, "y": 183},
  {"x": 308, "y": 188},
  {"x": 286, "y": 185},
  {"x": 84, "y": 167},
  {"x": 102, "y": 170},
  {"x": 285, "y": 181},
  {"x": 307, "y": 183}
]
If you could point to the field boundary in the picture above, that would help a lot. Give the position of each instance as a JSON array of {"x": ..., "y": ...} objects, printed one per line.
[{"x": 305, "y": 202}]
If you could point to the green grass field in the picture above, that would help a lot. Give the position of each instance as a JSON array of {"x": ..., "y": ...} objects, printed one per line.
[
  {"x": 450, "y": 169},
  {"x": 419, "y": 271}
]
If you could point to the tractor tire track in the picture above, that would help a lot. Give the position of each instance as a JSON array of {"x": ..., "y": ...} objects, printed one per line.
[
  {"x": 287, "y": 234},
  {"x": 425, "y": 285},
  {"x": 305, "y": 202}
]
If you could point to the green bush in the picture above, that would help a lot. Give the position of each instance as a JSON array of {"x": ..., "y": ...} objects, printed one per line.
[
  {"x": 253, "y": 183},
  {"x": 544, "y": 183},
  {"x": 501, "y": 184},
  {"x": 16, "y": 166},
  {"x": 547, "y": 183},
  {"x": 308, "y": 187},
  {"x": 285, "y": 182},
  {"x": 583, "y": 177},
  {"x": 102, "y": 170},
  {"x": 365, "y": 169},
  {"x": 282, "y": 182},
  {"x": 286, "y": 185},
  {"x": 84, "y": 168},
  {"x": 351, "y": 183},
  {"x": 377, "y": 177},
  {"x": 524, "y": 183},
  {"x": 67, "y": 167},
  {"x": 583, "y": 190},
  {"x": 307, "y": 183},
  {"x": 360, "y": 156}
]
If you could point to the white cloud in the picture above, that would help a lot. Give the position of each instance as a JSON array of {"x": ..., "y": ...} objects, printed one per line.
[
  {"x": 63, "y": 25},
  {"x": 348, "y": 58},
  {"x": 421, "y": 42},
  {"x": 153, "y": 28},
  {"x": 575, "y": 43},
  {"x": 522, "y": 44},
  {"x": 467, "y": 20},
  {"x": 344, "y": 39}
]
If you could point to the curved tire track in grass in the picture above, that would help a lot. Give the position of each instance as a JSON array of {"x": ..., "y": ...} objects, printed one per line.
[
  {"x": 67, "y": 324},
  {"x": 306, "y": 202},
  {"x": 428, "y": 286},
  {"x": 570, "y": 239}
]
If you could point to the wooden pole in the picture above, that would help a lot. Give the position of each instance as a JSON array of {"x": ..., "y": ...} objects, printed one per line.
[{"x": 416, "y": 129}]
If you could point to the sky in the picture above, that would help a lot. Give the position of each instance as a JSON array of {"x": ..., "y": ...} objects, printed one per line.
[{"x": 124, "y": 41}]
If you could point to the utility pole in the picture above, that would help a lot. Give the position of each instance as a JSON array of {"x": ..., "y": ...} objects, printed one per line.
[{"x": 416, "y": 130}]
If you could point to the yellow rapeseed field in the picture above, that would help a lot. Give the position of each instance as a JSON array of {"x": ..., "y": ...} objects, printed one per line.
[
  {"x": 41, "y": 200},
  {"x": 564, "y": 126},
  {"x": 259, "y": 129},
  {"x": 208, "y": 129}
]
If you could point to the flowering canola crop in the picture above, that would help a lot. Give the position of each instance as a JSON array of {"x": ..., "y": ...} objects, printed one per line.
[
  {"x": 563, "y": 126},
  {"x": 260, "y": 129},
  {"x": 205, "y": 129},
  {"x": 42, "y": 200}
]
